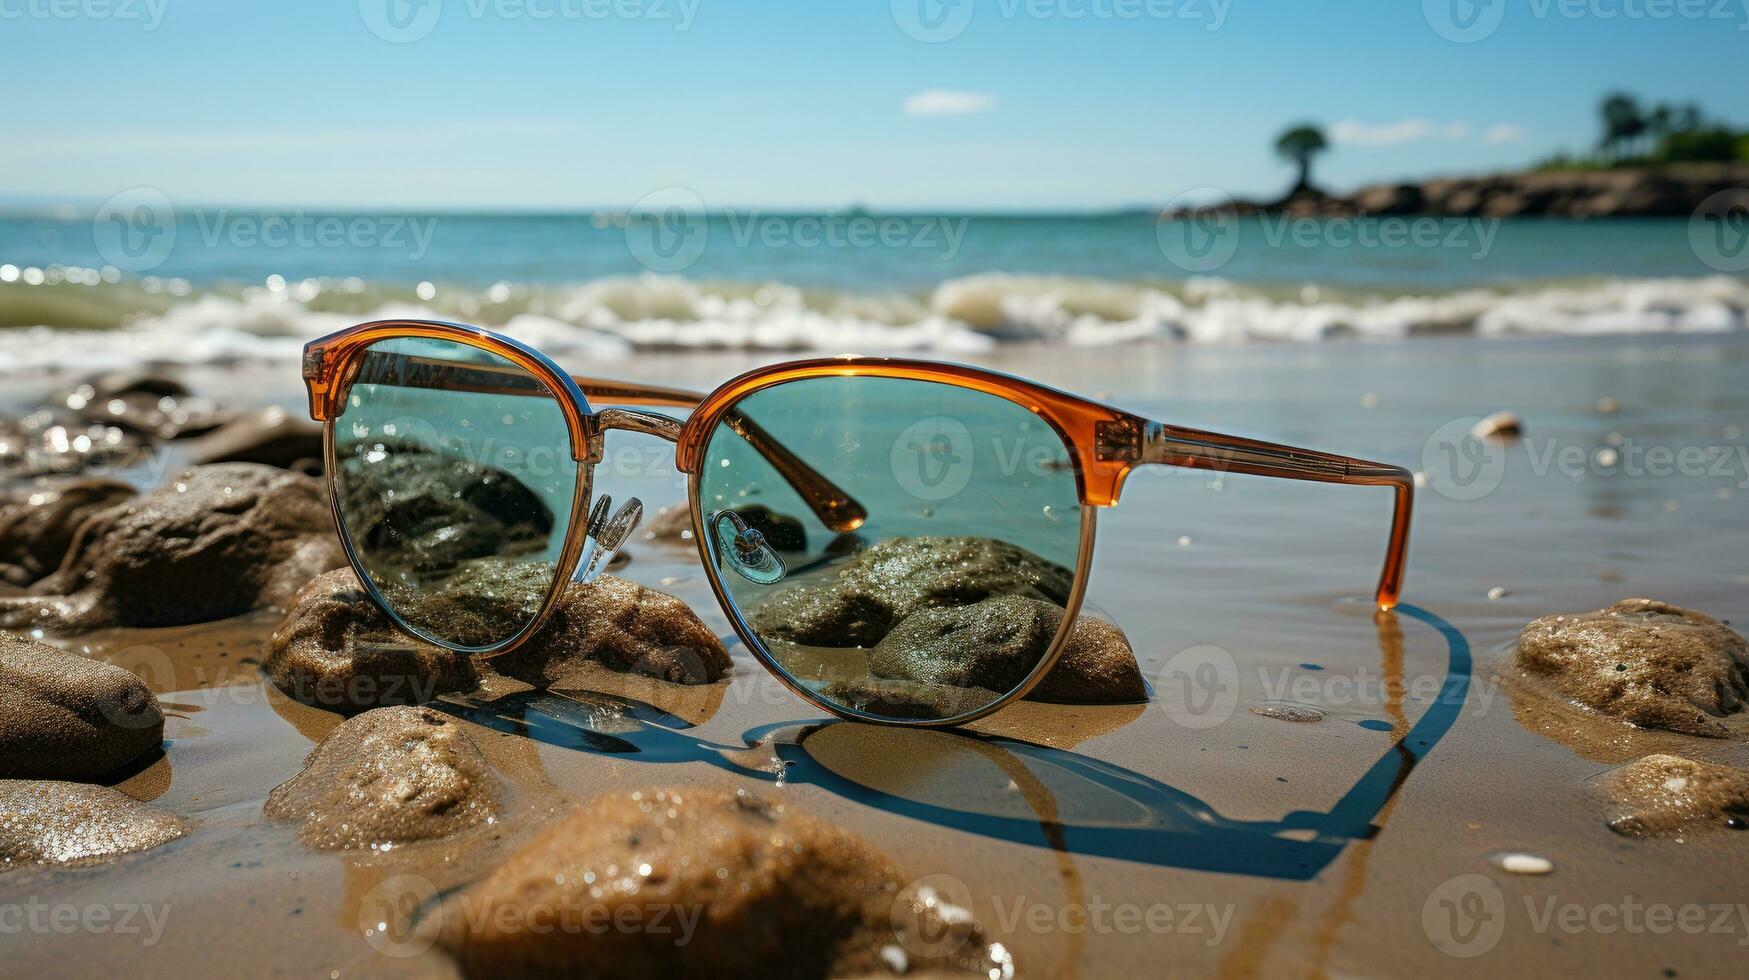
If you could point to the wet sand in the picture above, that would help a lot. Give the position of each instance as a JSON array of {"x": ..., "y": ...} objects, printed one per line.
[{"x": 1190, "y": 835}]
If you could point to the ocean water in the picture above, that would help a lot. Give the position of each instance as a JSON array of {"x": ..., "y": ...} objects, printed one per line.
[{"x": 214, "y": 284}]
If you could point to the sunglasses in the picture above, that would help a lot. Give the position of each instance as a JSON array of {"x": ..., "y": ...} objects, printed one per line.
[{"x": 898, "y": 541}]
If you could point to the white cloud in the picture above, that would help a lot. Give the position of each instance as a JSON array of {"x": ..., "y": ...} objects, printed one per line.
[
  {"x": 1401, "y": 131},
  {"x": 1504, "y": 133},
  {"x": 948, "y": 102},
  {"x": 1415, "y": 130}
]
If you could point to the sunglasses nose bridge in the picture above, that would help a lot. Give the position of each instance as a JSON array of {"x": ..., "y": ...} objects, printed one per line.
[
  {"x": 628, "y": 420},
  {"x": 632, "y": 420}
]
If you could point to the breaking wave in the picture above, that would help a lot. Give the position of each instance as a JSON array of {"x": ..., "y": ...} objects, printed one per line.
[{"x": 66, "y": 315}]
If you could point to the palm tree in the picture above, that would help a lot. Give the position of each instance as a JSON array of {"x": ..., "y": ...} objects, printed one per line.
[
  {"x": 1622, "y": 122},
  {"x": 1661, "y": 120},
  {"x": 1299, "y": 144}
]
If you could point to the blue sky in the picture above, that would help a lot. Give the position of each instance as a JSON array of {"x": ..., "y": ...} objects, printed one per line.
[{"x": 810, "y": 103}]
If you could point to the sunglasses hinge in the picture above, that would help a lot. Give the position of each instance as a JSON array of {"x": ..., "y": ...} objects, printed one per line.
[{"x": 1118, "y": 440}]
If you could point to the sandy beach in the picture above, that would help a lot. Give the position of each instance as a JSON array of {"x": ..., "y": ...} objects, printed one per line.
[{"x": 1312, "y": 788}]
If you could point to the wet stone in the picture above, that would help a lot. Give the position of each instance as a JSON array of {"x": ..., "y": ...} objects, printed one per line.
[
  {"x": 612, "y": 622},
  {"x": 670, "y": 525},
  {"x": 703, "y": 882},
  {"x": 51, "y": 823},
  {"x": 142, "y": 402},
  {"x": 38, "y": 523},
  {"x": 907, "y": 699},
  {"x": 889, "y": 581},
  {"x": 623, "y": 626},
  {"x": 213, "y": 542},
  {"x": 1661, "y": 795},
  {"x": 64, "y": 716},
  {"x": 1644, "y": 662},
  {"x": 996, "y": 643},
  {"x": 337, "y": 650},
  {"x": 388, "y": 776},
  {"x": 269, "y": 436},
  {"x": 115, "y": 420},
  {"x": 1303, "y": 714},
  {"x": 425, "y": 514}
]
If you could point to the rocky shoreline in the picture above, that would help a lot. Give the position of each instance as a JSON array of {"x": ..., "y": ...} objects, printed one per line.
[{"x": 1674, "y": 191}]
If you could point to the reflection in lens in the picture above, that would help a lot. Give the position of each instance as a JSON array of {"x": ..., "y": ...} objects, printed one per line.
[
  {"x": 455, "y": 483},
  {"x": 948, "y": 596}
]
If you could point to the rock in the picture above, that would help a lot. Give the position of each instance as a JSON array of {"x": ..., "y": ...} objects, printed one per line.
[
  {"x": 270, "y": 436},
  {"x": 1389, "y": 199},
  {"x": 1644, "y": 662},
  {"x": 141, "y": 380},
  {"x": 425, "y": 514},
  {"x": 48, "y": 441},
  {"x": 891, "y": 580},
  {"x": 213, "y": 542},
  {"x": 611, "y": 621},
  {"x": 1510, "y": 205},
  {"x": 670, "y": 525},
  {"x": 114, "y": 420},
  {"x": 1665, "y": 794},
  {"x": 623, "y": 626},
  {"x": 61, "y": 824},
  {"x": 37, "y": 524},
  {"x": 139, "y": 401},
  {"x": 703, "y": 882},
  {"x": 337, "y": 650},
  {"x": 484, "y": 601},
  {"x": 1303, "y": 714},
  {"x": 996, "y": 643},
  {"x": 905, "y": 698},
  {"x": 1097, "y": 667},
  {"x": 1666, "y": 191},
  {"x": 1500, "y": 426},
  {"x": 63, "y": 716},
  {"x": 993, "y": 644},
  {"x": 388, "y": 776}
]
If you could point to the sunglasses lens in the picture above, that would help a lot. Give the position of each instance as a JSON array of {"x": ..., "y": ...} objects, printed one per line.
[
  {"x": 455, "y": 486},
  {"x": 948, "y": 593}
]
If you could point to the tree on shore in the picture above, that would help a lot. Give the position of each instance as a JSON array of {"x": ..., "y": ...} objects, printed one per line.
[
  {"x": 1298, "y": 145},
  {"x": 1622, "y": 123}
]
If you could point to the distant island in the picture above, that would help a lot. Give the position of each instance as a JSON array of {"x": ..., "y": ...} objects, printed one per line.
[{"x": 1657, "y": 162}]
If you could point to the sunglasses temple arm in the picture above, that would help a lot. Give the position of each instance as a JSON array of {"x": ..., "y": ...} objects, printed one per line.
[
  {"x": 1170, "y": 445},
  {"x": 836, "y": 509}
]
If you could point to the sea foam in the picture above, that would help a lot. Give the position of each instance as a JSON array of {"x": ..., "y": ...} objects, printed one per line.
[{"x": 69, "y": 317}]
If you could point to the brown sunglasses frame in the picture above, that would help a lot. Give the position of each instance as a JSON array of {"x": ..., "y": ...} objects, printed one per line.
[{"x": 1106, "y": 444}]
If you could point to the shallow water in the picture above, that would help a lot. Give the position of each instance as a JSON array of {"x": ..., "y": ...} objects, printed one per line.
[{"x": 1096, "y": 841}]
